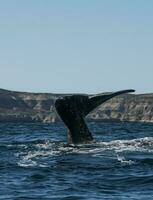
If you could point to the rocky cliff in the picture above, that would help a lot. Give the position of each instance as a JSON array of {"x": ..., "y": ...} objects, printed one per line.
[{"x": 39, "y": 107}]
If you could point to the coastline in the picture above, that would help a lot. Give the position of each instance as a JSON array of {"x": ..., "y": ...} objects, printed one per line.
[{"x": 39, "y": 107}]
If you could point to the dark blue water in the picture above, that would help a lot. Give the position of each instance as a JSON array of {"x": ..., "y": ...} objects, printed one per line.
[{"x": 36, "y": 163}]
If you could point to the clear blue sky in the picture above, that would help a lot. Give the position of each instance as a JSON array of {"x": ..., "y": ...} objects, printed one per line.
[{"x": 76, "y": 45}]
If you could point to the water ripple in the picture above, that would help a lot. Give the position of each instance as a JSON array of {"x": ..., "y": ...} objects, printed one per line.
[{"x": 37, "y": 163}]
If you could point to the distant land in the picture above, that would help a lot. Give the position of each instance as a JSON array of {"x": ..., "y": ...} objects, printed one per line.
[{"x": 39, "y": 107}]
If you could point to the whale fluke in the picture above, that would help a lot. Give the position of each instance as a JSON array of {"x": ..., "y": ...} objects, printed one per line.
[{"x": 74, "y": 108}]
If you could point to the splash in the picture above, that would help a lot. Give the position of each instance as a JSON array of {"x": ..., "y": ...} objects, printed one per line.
[{"x": 39, "y": 154}]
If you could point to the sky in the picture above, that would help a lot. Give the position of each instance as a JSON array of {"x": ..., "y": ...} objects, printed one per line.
[{"x": 82, "y": 46}]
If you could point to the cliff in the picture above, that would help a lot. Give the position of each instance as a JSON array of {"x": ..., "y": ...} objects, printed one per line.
[{"x": 39, "y": 107}]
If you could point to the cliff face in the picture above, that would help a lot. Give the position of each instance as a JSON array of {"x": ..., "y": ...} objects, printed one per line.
[
  {"x": 39, "y": 107},
  {"x": 126, "y": 108},
  {"x": 27, "y": 107}
]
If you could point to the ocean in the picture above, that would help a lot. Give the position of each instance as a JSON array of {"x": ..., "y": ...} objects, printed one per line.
[{"x": 37, "y": 163}]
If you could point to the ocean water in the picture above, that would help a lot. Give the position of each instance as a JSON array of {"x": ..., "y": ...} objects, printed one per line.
[{"x": 37, "y": 163}]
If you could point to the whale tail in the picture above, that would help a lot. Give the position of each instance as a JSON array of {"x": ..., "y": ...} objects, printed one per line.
[{"x": 73, "y": 109}]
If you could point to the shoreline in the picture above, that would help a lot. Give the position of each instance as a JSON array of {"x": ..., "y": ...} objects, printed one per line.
[{"x": 39, "y": 107}]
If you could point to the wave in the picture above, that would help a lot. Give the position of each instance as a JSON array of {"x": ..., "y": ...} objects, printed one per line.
[
  {"x": 32, "y": 154},
  {"x": 141, "y": 144}
]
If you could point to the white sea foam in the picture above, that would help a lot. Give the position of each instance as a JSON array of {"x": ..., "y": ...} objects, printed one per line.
[
  {"x": 141, "y": 144},
  {"x": 124, "y": 161},
  {"x": 50, "y": 150}
]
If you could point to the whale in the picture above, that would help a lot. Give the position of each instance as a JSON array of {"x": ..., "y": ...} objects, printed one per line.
[{"x": 73, "y": 108}]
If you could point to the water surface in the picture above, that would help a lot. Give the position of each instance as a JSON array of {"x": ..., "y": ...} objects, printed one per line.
[{"x": 37, "y": 163}]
